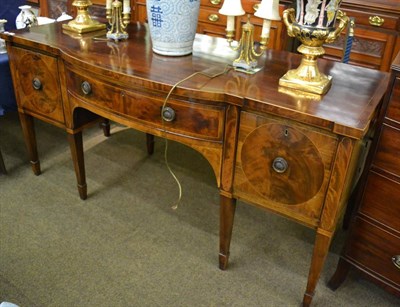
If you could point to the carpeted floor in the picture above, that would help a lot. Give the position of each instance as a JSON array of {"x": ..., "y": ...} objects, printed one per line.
[{"x": 125, "y": 246}]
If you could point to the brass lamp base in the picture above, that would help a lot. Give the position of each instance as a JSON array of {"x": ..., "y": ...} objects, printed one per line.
[
  {"x": 83, "y": 23},
  {"x": 307, "y": 76},
  {"x": 76, "y": 27}
]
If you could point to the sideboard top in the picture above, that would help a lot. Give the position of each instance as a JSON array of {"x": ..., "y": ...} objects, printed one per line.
[{"x": 346, "y": 109}]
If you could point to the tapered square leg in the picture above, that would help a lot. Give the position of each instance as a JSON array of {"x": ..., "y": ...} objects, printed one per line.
[
  {"x": 227, "y": 214},
  {"x": 76, "y": 147},
  {"x": 28, "y": 130}
]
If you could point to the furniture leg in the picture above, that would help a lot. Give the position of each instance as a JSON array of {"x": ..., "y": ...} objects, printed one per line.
[
  {"x": 340, "y": 274},
  {"x": 227, "y": 214},
  {"x": 3, "y": 169},
  {"x": 150, "y": 143},
  {"x": 28, "y": 130},
  {"x": 105, "y": 125},
  {"x": 76, "y": 147},
  {"x": 321, "y": 248}
]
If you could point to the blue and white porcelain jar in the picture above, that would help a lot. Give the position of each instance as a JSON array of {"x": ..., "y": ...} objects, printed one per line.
[{"x": 172, "y": 25}]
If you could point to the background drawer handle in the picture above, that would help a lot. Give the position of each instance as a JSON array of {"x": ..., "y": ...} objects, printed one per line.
[
  {"x": 279, "y": 165},
  {"x": 37, "y": 84},
  {"x": 86, "y": 87},
  {"x": 213, "y": 17},
  {"x": 168, "y": 114},
  {"x": 215, "y": 2},
  {"x": 396, "y": 261},
  {"x": 376, "y": 21}
]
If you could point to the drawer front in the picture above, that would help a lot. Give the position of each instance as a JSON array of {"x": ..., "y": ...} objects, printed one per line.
[
  {"x": 374, "y": 248},
  {"x": 37, "y": 84},
  {"x": 393, "y": 111},
  {"x": 381, "y": 200},
  {"x": 373, "y": 19},
  {"x": 388, "y": 153},
  {"x": 195, "y": 120},
  {"x": 283, "y": 166},
  {"x": 211, "y": 16}
]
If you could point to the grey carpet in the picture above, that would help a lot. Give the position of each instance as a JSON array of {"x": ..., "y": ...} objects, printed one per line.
[{"x": 125, "y": 246}]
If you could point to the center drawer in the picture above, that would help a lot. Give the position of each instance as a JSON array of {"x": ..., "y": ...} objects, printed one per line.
[{"x": 198, "y": 120}]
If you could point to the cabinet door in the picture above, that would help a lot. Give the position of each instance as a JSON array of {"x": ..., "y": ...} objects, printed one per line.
[
  {"x": 37, "y": 84},
  {"x": 283, "y": 166}
]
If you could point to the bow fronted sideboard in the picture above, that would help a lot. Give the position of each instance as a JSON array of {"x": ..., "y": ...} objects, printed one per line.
[{"x": 293, "y": 153}]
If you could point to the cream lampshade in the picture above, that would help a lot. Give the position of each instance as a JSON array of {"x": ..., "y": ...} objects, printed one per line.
[
  {"x": 269, "y": 9},
  {"x": 231, "y": 8}
]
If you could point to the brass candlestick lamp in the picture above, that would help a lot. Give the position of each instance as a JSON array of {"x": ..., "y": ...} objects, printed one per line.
[
  {"x": 313, "y": 25},
  {"x": 268, "y": 10},
  {"x": 118, "y": 16},
  {"x": 83, "y": 23}
]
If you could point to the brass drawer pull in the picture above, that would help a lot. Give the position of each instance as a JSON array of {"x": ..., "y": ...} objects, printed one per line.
[
  {"x": 86, "y": 87},
  {"x": 213, "y": 17},
  {"x": 37, "y": 84},
  {"x": 215, "y": 2},
  {"x": 376, "y": 21},
  {"x": 279, "y": 165},
  {"x": 168, "y": 114},
  {"x": 256, "y": 7},
  {"x": 396, "y": 261}
]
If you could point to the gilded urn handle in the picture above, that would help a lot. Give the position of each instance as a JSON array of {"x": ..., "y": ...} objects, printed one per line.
[
  {"x": 343, "y": 21},
  {"x": 289, "y": 18}
]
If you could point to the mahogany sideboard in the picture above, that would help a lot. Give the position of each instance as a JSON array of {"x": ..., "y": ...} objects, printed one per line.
[
  {"x": 373, "y": 245},
  {"x": 289, "y": 152}
]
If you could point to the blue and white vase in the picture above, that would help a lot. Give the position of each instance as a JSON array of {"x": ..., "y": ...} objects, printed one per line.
[{"x": 172, "y": 25}]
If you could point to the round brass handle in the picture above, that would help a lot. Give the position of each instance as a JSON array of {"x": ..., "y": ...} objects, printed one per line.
[
  {"x": 215, "y": 2},
  {"x": 396, "y": 261},
  {"x": 37, "y": 84},
  {"x": 279, "y": 165},
  {"x": 213, "y": 17},
  {"x": 256, "y": 6},
  {"x": 86, "y": 87},
  {"x": 168, "y": 114},
  {"x": 376, "y": 21}
]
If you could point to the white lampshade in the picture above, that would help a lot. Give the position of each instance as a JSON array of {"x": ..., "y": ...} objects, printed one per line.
[
  {"x": 269, "y": 9},
  {"x": 232, "y": 8}
]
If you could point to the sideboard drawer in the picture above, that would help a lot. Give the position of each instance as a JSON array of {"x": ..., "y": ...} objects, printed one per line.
[
  {"x": 381, "y": 200},
  {"x": 389, "y": 144},
  {"x": 37, "y": 83},
  {"x": 283, "y": 166},
  {"x": 393, "y": 111},
  {"x": 374, "y": 248},
  {"x": 196, "y": 120}
]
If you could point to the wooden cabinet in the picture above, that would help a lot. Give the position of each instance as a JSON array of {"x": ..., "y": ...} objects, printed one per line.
[
  {"x": 373, "y": 245},
  {"x": 376, "y": 39},
  {"x": 212, "y": 23}
]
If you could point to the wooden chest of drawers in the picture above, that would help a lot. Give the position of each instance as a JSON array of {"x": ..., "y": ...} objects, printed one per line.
[
  {"x": 376, "y": 38},
  {"x": 373, "y": 245}
]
